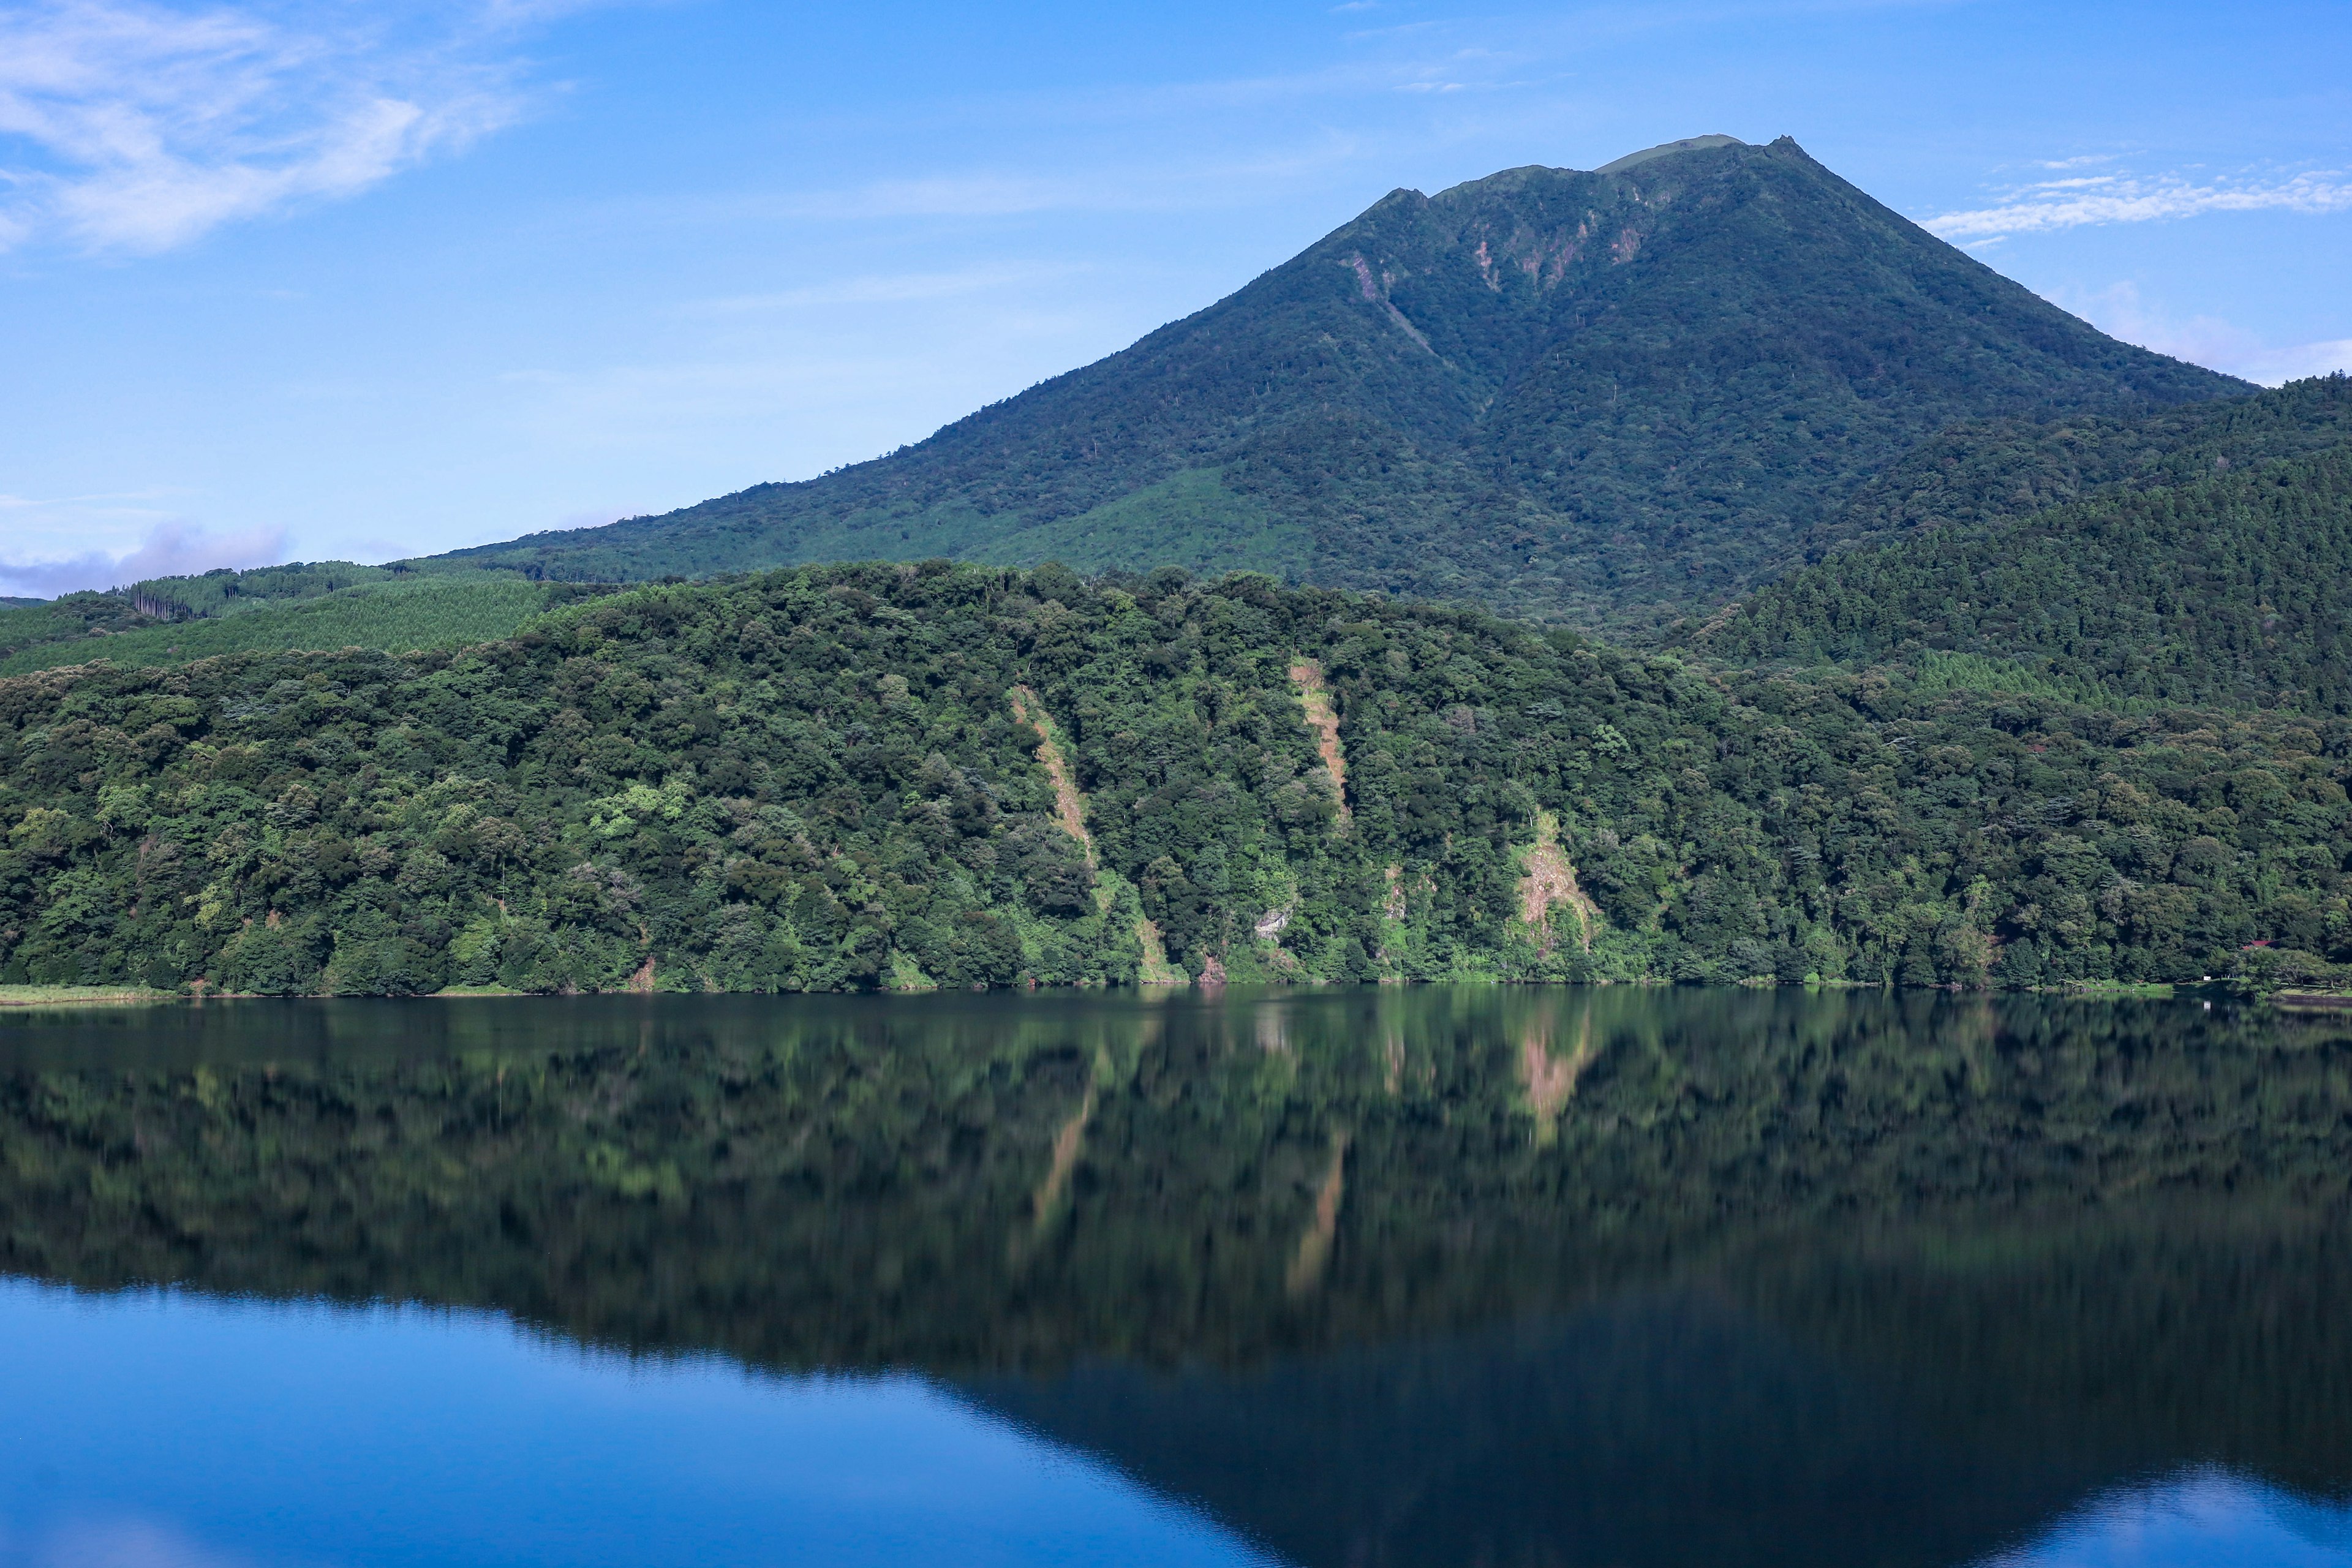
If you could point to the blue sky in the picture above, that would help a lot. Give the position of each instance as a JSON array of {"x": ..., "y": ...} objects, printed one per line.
[{"x": 331, "y": 279}]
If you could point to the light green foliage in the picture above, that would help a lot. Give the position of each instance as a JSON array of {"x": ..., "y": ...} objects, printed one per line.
[
  {"x": 225, "y": 591},
  {"x": 392, "y": 615},
  {"x": 1191, "y": 520},
  {"x": 31, "y": 623}
]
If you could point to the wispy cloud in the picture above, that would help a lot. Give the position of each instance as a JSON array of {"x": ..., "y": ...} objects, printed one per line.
[
  {"x": 2078, "y": 200},
  {"x": 138, "y": 127},
  {"x": 2208, "y": 340},
  {"x": 169, "y": 550}
]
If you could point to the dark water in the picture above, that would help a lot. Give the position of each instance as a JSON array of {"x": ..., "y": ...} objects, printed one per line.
[{"x": 1370, "y": 1277}]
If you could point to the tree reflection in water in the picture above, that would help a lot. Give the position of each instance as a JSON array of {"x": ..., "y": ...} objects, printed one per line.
[{"x": 1377, "y": 1276}]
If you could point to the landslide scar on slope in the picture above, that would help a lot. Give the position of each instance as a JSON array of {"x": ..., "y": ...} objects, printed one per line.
[
  {"x": 1307, "y": 674},
  {"x": 1070, "y": 811},
  {"x": 1069, "y": 806},
  {"x": 1547, "y": 881}
]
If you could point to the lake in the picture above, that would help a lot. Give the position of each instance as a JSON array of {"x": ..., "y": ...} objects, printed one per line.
[{"x": 1356, "y": 1277}]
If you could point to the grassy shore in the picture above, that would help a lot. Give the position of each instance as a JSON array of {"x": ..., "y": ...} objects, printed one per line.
[{"x": 77, "y": 995}]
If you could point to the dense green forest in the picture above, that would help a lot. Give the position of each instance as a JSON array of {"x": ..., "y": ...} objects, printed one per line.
[
  {"x": 936, "y": 775},
  {"x": 2211, "y": 568},
  {"x": 1981, "y": 471},
  {"x": 1597, "y": 399}
]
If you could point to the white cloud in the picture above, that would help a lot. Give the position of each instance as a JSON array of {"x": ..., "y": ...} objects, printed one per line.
[
  {"x": 169, "y": 550},
  {"x": 2080, "y": 200},
  {"x": 137, "y": 127},
  {"x": 2297, "y": 361},
  {"x": 2208, "y": 341}
]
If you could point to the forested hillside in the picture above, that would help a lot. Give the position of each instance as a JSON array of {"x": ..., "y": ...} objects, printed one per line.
[
  {"x": 325, "y": 604},
  {"x": 1597, "y": 399},
  {"x": 2213, "y": 566},
  {"x": 906, "y": 775},
  {"x": 1984, "y": 470}
]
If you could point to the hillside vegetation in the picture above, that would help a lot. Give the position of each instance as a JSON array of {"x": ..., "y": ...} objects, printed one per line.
[
  {"x": 845, "y": 777},
  {"x": 173, "y": 620},
  {"x": 1984, "y": 470},
  {"x": 2217, "y": 572},
  {"x": 1595, "y": 398}
]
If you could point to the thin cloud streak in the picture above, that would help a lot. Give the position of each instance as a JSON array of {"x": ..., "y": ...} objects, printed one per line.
[
  {"x": 2202, "y": 340},
  {"x": 138, "y": 128},
  {"x": 2084, "y": 200}
]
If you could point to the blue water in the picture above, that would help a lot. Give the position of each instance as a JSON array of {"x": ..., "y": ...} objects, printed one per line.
[
  {"x": 155, "y": 1430},
  {"x": 2204, "y": 1519}
]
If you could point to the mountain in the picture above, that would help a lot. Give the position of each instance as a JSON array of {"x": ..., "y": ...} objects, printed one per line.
[
  {"x": 1985, "y": 471},
  {"x": 2201, "y": 557},
  {"x": 853, "y": 777},
  {"x": 1593, "y": 397}
]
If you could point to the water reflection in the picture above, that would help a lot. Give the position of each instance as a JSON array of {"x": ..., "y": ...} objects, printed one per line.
[
  {"x": 1508, "y": 1275},
  {"x": 147, "y": 1431},
  {"x": 2205, "y": 1518}
]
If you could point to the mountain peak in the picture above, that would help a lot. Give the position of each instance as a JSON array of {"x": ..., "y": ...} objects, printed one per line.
[
  {"x": 1687, "y": 145},
  {"x": 1569, "y": 395}
]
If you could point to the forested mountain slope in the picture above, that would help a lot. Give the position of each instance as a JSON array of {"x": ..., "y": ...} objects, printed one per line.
[
  {"x": 318, "y": 605},
  {"x": 2216, "y": 567},
  {"x": 1589, "y": 397},
  {"x": 901, "y": 775},
  {"x": 1984, "y": 470}
]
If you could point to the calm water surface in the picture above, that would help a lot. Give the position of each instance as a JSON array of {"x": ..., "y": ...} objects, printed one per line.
[{"x": 1355, "y": 1276}]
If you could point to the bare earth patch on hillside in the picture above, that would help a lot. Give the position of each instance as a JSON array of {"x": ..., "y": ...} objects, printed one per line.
[
  {"x": 1306, "y": 674},
  {"x": 1070, "y": 811},
  {"x": 1069, "y": 806},
  {"x": 1547, "y": 880}
]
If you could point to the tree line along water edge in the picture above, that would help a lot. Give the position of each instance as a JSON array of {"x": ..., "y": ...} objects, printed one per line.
[{"x": 916, "y": 775}]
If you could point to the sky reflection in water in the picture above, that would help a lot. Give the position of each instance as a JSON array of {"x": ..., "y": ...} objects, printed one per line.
[
  {"x": 165, "y": 1431},
  {"x": 2205, "y": 1518}
]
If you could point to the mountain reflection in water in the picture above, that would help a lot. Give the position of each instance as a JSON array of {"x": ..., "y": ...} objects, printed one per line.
[{"x": 1505, "y": 1276}]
